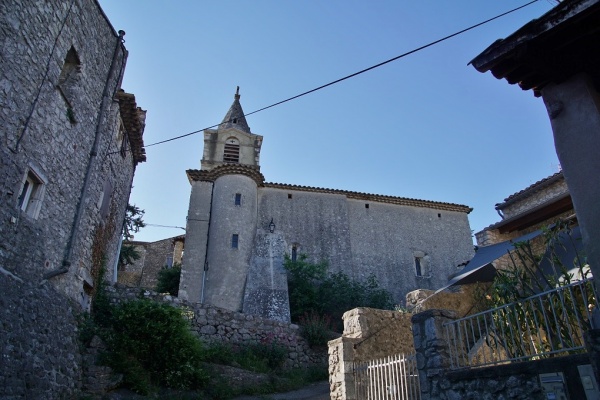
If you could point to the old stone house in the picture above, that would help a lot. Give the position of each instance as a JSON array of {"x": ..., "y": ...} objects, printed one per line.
[
  {"x": 154, "y": 256},
  {"x": 540, "y": 204},
  {"x": 239, "y": 228},
  {"x": 71, "y": 141},
  {"x": 525, "y": 215}
]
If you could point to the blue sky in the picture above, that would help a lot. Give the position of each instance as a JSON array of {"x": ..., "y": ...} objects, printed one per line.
[{"x": 427, "y": 126}]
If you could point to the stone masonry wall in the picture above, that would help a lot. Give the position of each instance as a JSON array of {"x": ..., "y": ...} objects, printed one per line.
[
  {"x": 50, "y": 132},
  {"x": 39, "y": 348},
  {"x": 217, "y": 325}
]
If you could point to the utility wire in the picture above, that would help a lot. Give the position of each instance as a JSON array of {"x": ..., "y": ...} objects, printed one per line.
[
  {"x": 359, "y": 72},
  {"x": 164, "y": 226}
]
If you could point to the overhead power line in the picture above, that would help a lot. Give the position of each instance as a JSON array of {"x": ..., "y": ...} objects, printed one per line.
[
  {"x": 164, "y": 226},
  {"x": 359, "y": 72}
]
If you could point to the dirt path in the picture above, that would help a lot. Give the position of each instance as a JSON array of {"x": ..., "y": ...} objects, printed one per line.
[{"x": 316, "y": 391}]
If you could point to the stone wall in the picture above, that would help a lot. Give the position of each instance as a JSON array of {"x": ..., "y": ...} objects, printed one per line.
[
  {"x": 369, "y": 334},
  {"x": 39, "y": 347},
  {"x": 217, "y": 325},
  {"x": 363, "y": 237},
  {"x": 462, "y": 300},
  {"x": 67, "y": 135}
]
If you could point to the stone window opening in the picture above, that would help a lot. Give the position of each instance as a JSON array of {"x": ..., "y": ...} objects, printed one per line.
[
  {"x": 418, "y": 266},
  {"x": 238, "y": 199},
  {"x": 105, "y": 198},
  {"x": 122, "y": 138},
  {"x": 68, "y": 81},
  {"x": 367, "y": 205},
  {"x": 31, "y": 194},
  {"x": 421, "y": 264},
  {"x": 231, "y": 153},
  {"x": 234, "y": 241},
  {"x": 289, "y": 195},
  {"x": 169, "y": 262},
  {"x": 294, "y": 252}
]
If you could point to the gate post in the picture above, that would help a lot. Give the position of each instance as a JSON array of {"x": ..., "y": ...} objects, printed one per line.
[
  {"x": 432, "y": 348},
  {"x": 341, "y": 368}
]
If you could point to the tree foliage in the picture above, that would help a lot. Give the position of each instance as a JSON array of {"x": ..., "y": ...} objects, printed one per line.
[
  {"x": 168, "y": 280},
  {"x": 313, "y": 292},
  {"x": 132, "y": 224},
  {"x": 128, "y": 255},
  {"x": 133, "y": 221}
]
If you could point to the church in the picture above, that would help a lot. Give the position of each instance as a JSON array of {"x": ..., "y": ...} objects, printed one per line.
[{"x": 240, "y": 227}]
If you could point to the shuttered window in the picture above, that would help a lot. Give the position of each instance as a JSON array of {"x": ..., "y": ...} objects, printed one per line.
[{"x": 231, "y": 155}]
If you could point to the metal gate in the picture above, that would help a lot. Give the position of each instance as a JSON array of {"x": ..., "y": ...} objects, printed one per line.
[{"x": 390, "y": 378}]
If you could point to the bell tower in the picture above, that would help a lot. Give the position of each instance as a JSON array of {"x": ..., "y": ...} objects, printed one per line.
[
  {"x": 232, "y": 142},
  {"x": 222, "y": 215}
]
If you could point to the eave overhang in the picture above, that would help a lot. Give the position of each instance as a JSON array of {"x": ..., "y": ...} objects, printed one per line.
[
  {"x": 563, "y": 42},
  {"x": 375, "y": 197},
  {"x": 536, "y": 215},
  {"x": 226, "y": 169},
  {"x": 134, "y": 122}
]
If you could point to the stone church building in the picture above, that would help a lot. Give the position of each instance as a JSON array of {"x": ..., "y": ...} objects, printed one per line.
[{"x": 239, "y": 228}]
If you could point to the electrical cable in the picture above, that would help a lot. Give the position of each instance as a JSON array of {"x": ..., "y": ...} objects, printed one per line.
[
  {"x": 165, "y": 226},
  {"x": 359, "y": 72}
]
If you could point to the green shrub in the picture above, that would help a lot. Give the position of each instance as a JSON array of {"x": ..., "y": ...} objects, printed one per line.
[
  {"x": 265, "y": 356},
  {"x": 311, "y": 290},
  {"x": 168, "y": 280},
  {"x": 316, "y": 328},
  {"x": 151, "y": 344}
]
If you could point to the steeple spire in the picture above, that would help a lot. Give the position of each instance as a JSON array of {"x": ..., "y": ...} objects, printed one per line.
[{"x": 235, "y": 116}]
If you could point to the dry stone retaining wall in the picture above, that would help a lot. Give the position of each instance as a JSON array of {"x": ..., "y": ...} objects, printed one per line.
[{"x": 217, "y": 325}]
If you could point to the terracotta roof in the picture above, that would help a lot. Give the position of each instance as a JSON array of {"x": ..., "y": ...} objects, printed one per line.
[
  {"x": 528, "y": 191},
  {"x": 559, "y": 44},
  {"x": 134, "y": 121},
  {"x": 375, "y": 197}
]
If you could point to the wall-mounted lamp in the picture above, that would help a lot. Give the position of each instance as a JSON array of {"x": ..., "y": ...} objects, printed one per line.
[{"x": 271, "y": 226}]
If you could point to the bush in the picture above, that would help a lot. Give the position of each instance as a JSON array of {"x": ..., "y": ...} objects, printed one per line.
[
  {"x": 265, "y": 356},
  {"x": 151, "y": 344},
  {"x": 316, "y": 328},
  {"x": 168, "y": 280},
  {"x": 311, "y": 291}
]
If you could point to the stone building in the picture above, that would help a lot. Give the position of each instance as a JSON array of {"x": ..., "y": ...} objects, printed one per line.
[
  {"x": 239, "y": 228},
  {"x": 556, "y": 57},
  {"x": 541, "y": 204},
  {"x": 525, "y": 214},
  {"x": 154, "y": 256},
  {"x": 71, "y": 141}
]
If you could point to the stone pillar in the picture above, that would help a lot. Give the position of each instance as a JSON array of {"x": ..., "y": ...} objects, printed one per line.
[
  {"x": 592, "y": 343},
  {"x": 574, "y": 110},
  {"x": 341, "y": 368},
  {"x": 433, "y": 355}
]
